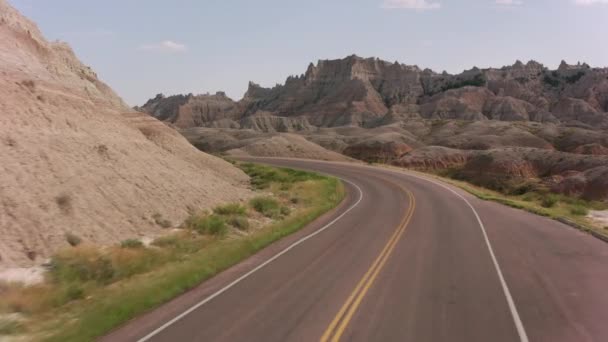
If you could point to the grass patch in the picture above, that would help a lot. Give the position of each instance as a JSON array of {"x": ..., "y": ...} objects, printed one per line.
[
  {"x": 239, "y": 222},
  {"x": 262, "y": 176},
  {"x": 266, "y": 206},
  {"x": 579, "y": 210},
  {"x": 81, "y": 264},
  {"x": 10, "y": 327},
  {"x": 549, "y": 201},
  {"x": 230, "y": 209},
  {"x": 131, "y": 243},
  {"x": 207, "y": 224}
]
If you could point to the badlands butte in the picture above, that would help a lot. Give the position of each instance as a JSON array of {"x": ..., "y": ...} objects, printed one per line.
[
  {"x": 75, "y": 159},
  {"x": 512, "y": 129}
]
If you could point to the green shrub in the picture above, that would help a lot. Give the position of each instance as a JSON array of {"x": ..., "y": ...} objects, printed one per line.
[
  {"x": 131, "y": 243},
  {"x": 211, "y": 224},
  {"x": 73, "y": 292},
  {"x": 73, "y": 239},
  {"x": 81, "y": 264},
  {"x": 285, "y": 211},
  {"x": 551, "y": 81},
  {"x": 10, "y": 327},
  {"x": 574, "y": 78},
  {"x": 166, "y": 241},
  {"x": 294, "y": 200},
  {"x": 239, "y": 222},
  {"x": 230, "y": 209},
  {"x": 478, "y": 81},
  {"x": 522, "y": 189},
  {"x": 134, "y": 260},
  {"x": 529, "y": 197},
  {"x": 549, "y": 201},
  {"x": 180, "y": 243},
  {"x": 579, "y": 211},
  {"x": 266, "y": 206},
  {"x": 262, "y": 176},
  {"x": 159, "y": 220}
]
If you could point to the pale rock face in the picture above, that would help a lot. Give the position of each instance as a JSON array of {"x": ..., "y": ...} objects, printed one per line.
[{"x": 74, "y": 158}]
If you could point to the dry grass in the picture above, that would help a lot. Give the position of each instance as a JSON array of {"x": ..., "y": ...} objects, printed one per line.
[
  {"x": 555, "y": 206},
  {"x": 91, "y": 290}
]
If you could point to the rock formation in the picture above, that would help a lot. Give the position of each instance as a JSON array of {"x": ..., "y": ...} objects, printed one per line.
[
  {"x": 387, "y": 112},
  {"x": 357, "y": 91}
]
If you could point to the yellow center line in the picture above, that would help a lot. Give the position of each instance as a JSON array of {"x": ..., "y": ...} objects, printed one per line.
[{"x": 341, "y": 321}]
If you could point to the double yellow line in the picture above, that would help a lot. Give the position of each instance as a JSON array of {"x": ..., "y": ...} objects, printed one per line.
[{"x": 335, "y": 330}]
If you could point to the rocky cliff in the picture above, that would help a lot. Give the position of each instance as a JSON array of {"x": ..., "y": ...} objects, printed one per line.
[{"x": 362, "y": 91}]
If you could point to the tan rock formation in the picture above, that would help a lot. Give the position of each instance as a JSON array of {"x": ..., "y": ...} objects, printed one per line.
[{"x": 74, "y": 158}]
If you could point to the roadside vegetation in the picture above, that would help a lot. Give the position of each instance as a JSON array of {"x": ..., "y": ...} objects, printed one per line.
[
  {"x": 89, "y": 290},
  {"x": 535, "y": 198},
  {"x": 529, "y": 196}
]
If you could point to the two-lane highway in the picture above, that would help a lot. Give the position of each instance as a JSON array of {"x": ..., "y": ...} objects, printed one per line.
[{"x": 402, "y": 259}]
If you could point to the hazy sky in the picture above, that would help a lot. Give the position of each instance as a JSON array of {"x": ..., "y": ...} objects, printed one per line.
[{"x": 142, "y": 48}]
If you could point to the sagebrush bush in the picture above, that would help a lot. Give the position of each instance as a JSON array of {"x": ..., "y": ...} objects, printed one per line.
[
  {"x": 166, "y": 241},
  {"x": 159, "y": 220},
  {"x": 10, "y": 327},
  {"x": 131, "y": 243},
  {"x": 579, "y": 210},
  {"x": 73, "y": 292},
  {"x": 73, "y": 239},
  {"x": 207, "y": 224},
  {"x": 262, "y": 176},
  {"x": 81, "y": 264},
  {"x": 239, "y": 222},
  {"x": 134, "y": 260},
  {"x": 184, "y": 242},
  {"x": 529, "y": 197},
  {"x": 230, "y": 209},
  {"x": 266, "y": 206},
  {"x": 549, "y": 201}
]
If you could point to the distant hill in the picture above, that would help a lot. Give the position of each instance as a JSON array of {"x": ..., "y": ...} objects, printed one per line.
[
  {"x": 363, "y": 91},
  {"x": 499, "y": 127}
]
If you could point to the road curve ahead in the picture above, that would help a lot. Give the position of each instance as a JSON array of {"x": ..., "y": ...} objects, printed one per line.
[{"x": 402, "y": 259}]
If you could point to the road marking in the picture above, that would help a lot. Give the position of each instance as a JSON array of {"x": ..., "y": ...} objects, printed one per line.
[
  {"x": 259, "y": 267},
  {"x": 337, "y": 326},
  {"x": 521, "y": 331}
]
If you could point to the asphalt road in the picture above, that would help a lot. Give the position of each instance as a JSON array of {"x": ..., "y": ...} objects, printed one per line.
[{"x": 401, "y": 259}]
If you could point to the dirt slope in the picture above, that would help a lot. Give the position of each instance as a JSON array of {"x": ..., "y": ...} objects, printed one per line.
[{"x": 74, "y": 158}]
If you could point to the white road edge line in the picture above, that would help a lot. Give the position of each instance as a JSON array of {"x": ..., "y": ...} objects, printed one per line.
[
  {"x": 521, "y": 331},
  {"x": 244, "y": 276}
]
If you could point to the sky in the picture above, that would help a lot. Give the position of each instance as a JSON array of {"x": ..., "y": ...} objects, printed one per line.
[{"x": 142, "y": 48}]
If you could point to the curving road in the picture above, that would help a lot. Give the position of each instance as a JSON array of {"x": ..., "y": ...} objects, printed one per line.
[{"x": 403, "y": 258}]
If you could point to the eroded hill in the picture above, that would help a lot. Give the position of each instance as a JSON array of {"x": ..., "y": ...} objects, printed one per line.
[{"x": 75, "y": 159}]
